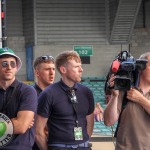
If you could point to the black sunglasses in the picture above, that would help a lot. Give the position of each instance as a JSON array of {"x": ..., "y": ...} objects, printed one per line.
[
  {"x": 72, "y": 96},
  {"x": 46, "y": 57},
  {"x": 5, "y": 64}
]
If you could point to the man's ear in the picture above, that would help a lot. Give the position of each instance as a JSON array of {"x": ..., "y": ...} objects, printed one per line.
[
  {"x": 36, "y": 73},
  {"x": 62, "y": 69}
]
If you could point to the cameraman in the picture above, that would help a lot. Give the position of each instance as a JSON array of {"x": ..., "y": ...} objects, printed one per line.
[{"x": 134, "y": 117}]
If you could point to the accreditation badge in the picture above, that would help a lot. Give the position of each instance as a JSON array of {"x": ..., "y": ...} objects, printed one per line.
[
  {"x": 6, "y": 130},
  {"x": 78, "y": 133}
]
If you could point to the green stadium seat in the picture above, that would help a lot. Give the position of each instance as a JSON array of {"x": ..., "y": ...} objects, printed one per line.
[
  {"x": 84, "y": 82},
  {"x": 97, "y": 84}
]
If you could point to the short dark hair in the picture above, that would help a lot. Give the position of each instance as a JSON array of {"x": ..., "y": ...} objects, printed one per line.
[{"x": 43, "y": 59}]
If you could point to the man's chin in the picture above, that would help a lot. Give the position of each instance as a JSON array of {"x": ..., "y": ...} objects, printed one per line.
[
  {"x": 51, "y": 82},
  {"x": 9, "y": 78},
  {"x": 79, "y": 80}
]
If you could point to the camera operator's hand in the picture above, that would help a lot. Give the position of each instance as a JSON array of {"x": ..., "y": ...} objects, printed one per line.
[
  {"x": 111, "y": 113},
  {"x": 137, "y": 97},
  {"x": 111, "y": 85},
  {"x": 134, "y": 95}
]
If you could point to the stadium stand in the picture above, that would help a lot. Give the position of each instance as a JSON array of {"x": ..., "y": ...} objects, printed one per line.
[{"x": 96, "y": 84}]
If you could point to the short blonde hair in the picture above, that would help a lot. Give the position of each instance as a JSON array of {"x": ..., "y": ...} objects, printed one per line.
[{"x": 63, "y": 58}]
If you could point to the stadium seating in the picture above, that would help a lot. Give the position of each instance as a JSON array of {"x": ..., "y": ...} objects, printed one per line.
[{"x": 96, "y": 84}]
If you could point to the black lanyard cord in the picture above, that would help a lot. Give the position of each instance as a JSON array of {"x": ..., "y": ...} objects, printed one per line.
[
  {"x": 75, "y": 111},
  {"x": 73, "y": 99}
]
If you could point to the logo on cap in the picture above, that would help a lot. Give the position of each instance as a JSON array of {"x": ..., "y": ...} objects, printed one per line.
[{"x": 6, "y": 49}]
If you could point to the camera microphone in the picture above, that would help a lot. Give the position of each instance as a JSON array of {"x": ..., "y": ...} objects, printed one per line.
[{"x": 115, "y": 66}]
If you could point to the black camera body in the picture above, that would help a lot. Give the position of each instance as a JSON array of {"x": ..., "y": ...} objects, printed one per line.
[{"x": 126, "y": 69}]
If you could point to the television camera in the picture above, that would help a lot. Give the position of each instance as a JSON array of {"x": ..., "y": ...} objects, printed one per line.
[{"x": 126, "y": 69}]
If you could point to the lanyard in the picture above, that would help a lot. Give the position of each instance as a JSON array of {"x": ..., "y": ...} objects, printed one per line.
[{"x": 72, "y": 97}]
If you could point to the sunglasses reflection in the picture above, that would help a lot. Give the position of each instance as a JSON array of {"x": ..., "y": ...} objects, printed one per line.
[{"x": 6, "y": 64}]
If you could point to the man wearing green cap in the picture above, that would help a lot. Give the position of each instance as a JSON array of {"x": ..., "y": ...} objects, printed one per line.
[{"x": 18, "y": 101}]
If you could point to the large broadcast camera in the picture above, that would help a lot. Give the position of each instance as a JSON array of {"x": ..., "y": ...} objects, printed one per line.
[{"x": 126, "y": 69}]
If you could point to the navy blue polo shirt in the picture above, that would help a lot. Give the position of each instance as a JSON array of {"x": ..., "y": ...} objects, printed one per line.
[
  {"x": 25, "y": 98},
  {"x": 38, "y": 89},
  {"x": 55, "y": 105}
]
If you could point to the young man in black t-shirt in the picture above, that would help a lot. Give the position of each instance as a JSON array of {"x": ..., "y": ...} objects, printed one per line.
[{"x": 44, "y": 71}]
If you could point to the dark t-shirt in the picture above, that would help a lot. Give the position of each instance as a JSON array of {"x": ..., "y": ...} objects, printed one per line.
[
  {"x": 25, "y": 98},
  {"x": 38, "y": 89},
  {"x": 55, "y": 105}
]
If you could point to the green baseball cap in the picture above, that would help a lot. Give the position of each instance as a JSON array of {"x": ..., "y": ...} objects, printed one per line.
[{"x": 8, "y": 51}]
